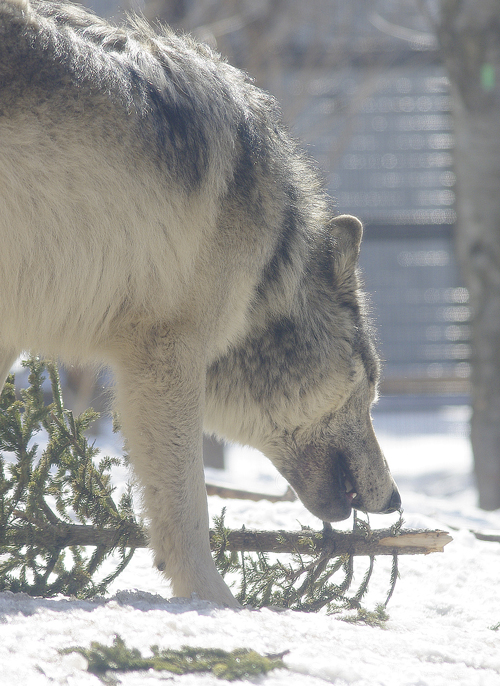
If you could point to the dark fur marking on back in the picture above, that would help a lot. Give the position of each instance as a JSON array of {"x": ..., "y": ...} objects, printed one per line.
[{"x": 179, "y": 143}]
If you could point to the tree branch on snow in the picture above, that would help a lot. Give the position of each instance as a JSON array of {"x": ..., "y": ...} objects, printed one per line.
[
  {"x": 227, "y": 492},
  {"x": 378, "y": 542},
  {"x": 57, "y": 504}
]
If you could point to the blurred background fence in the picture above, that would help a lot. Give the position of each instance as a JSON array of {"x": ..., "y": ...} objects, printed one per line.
[{"x": 370, "y": 98}]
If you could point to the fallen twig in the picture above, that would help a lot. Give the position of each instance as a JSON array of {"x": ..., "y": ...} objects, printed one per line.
[
  {"x": 63, "y": 497},
  {"x": 379, "y": 542},
  {"x": 495, "y": 538},
  {"x": 480, "y": 535},
  {"x": 236, "y": 493}
]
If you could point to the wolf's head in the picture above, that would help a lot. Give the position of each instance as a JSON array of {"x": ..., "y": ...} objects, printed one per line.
[
  {"x": 300, "y": 389},
  {"x": 327, "y": 448},
  {"x": 336, "y": 464}
]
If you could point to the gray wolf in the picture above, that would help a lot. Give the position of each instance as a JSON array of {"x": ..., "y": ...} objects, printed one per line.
[{"x": 156, "y": 216}]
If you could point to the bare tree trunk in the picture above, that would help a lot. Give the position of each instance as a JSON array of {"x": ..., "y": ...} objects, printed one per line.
[
  {"x": 469, "y": 34},
  {"x": 481, "y": 259},
  {"x": 478, "y": 240}
]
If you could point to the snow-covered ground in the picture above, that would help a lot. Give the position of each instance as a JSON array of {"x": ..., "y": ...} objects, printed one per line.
[{"x": 441, "y": 615}]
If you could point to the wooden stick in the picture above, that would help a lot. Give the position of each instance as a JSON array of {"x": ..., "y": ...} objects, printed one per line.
[
  {"x": 495, "y": 538},
  {"x": 480, "y": 535},
  {"x": 379, "y": 542},
  {"x": 226, "y": 492}
]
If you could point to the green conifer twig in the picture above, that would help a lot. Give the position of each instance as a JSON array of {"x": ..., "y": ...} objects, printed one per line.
[
  {"x": 230, "y": 666},
  {"x": 52, "y": 489},
  {"x": 58, "y": 501}
]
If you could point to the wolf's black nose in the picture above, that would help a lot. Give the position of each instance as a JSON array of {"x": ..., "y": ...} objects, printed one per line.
[{"x": 394, "y": 503}]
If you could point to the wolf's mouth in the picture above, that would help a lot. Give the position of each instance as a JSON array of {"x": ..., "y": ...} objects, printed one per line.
[
  {"x": 330, "y": 497},
  {"x": 344, "y": 478},
  {"x": 347, "y": 485},
  {"x": 349, "y": 490}
]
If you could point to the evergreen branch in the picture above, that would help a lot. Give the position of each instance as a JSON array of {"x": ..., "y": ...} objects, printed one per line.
[
  {"x": 37, "y": 554},
  {"x": 79, "y": 447},
  {"x": 411, "y": 542},
  {"x": 366, "y": 580},
  {"x": 44, "y": 553},
  {"x": 394, "y": 578},
  {"x": 231, "y": 666},
  {"x": 56, "y": 388},
  {"x": 380, "y": 542}
]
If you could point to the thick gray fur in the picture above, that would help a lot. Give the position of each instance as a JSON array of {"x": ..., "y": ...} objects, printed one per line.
[{"x": 156, "y": 216}]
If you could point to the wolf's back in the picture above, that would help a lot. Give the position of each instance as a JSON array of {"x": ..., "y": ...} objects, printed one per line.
[
  {"x": 14, "y": 7},
  {"x": 14, "y": 10}
]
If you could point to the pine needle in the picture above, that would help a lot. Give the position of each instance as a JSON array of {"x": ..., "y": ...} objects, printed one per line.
[
  {"x": 68, "y": 482},
  {"x": 305, "y": 583},
  {"x": 230, "y": 666},
  {"x": 63, "y": 483}
]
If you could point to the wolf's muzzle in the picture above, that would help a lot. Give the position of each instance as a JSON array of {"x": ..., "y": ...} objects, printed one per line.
[{"x": 394, "y": 503}]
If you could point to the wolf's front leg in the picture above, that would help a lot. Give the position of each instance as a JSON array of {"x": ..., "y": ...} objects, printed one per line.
[{"x": 160, "y": 392}]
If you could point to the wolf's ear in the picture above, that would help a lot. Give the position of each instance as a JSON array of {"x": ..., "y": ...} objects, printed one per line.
[{"x": 347, "y": 232}]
